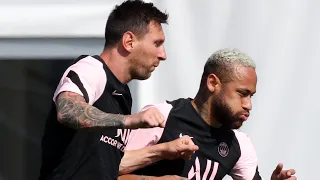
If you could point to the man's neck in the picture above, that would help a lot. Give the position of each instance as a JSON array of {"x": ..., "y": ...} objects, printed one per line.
[
  {"x": 202, "y": 106},
  {"x": 117, "y": 64}
]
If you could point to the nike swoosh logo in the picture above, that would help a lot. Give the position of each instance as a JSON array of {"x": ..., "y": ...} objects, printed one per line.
[
  {"x": 115, "y": 93},
  {"x": 180, "y": 136}
]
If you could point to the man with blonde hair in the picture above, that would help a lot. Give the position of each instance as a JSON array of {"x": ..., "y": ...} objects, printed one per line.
[{"x": 211, "y": 119}]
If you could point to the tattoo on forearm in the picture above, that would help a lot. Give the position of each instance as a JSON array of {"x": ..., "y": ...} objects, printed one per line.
[{"x": 76, "y": 113}]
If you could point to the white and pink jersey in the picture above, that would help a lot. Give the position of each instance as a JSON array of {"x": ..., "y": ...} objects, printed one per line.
[
  {"x": 86, "y": 153},
  {"x": 221, "y": 152}
]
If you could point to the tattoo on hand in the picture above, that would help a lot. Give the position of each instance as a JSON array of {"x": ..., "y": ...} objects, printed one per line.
[{"x": 76, "y": 113}]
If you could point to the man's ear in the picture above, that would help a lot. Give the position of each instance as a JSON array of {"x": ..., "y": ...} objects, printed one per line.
[
  {"x": 128, "y": 40},
  {"x": 213, "y": 83}
]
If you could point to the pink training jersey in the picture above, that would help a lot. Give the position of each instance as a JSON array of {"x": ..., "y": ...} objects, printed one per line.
[{"x": 86, "y": 153}]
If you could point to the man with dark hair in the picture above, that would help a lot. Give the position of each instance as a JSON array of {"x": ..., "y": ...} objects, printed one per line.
[
  {"x": 136, "y": 16},
  {"x": 221, "y": 106},
  {"x": 92, "y": 100}
]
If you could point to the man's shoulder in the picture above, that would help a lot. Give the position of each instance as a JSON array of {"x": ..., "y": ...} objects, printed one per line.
[
  {"x": 88, "y": 67},
  {"x": 240, "y": 135},
  {"x": 163, "y": 107},
  {"x": 88, "y": 61},
  {"x": 243, "y": 140}
]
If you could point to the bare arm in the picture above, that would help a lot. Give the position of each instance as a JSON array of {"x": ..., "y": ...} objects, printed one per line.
[
  {"x": 137, "y": 159},
  {"x": 73, "y": 111},
  {"x": 133, "y": 160},
  {"x": 136, "y": 177},
  {"x": 141, "y": 177}
]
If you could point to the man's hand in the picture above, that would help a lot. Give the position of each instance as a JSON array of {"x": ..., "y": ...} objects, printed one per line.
[
  {"x": 279, "y": 174},
  {"x": 180, "y": 148},
  {"x": 149, "y": 118}
]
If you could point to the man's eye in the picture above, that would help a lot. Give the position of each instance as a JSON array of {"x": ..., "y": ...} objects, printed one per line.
[
  {"x": 243, "y": 94},
  {"x": 158, "y": 43}
]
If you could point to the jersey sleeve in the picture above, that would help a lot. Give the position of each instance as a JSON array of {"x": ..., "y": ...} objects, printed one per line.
[
  {"x": 86, "y": 77},
  {"x": 246, "y": 167},
  {"x": 140, "y": 138}
]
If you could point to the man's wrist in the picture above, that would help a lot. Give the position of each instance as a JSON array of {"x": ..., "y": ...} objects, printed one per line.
[
  {"x": 126, "y": 121},
  {"x": 149, "y": 177},
  {"x": 161, "y": 150}
]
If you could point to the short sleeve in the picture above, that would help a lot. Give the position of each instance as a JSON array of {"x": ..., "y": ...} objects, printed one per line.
[
  {"x": 246, "y": 167},
  {"x": 86, "y": 77},
  {"x": 140, "y": 138}
]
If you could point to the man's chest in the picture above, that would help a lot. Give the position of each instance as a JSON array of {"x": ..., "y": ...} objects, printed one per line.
[{"x": 218, "y": 152}]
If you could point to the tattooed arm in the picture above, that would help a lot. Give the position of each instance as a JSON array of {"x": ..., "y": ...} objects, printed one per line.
[{"x": 73, "y": 111}]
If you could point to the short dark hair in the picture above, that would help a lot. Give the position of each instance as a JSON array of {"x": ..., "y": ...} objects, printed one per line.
[{"x": 134, "y": 16}]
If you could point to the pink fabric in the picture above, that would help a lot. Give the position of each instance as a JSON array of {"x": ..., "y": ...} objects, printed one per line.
[
  {"x": 246, "y": 166},
  {"x": 92, "y": 76},
  {"x": 140, "y": 138}
]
